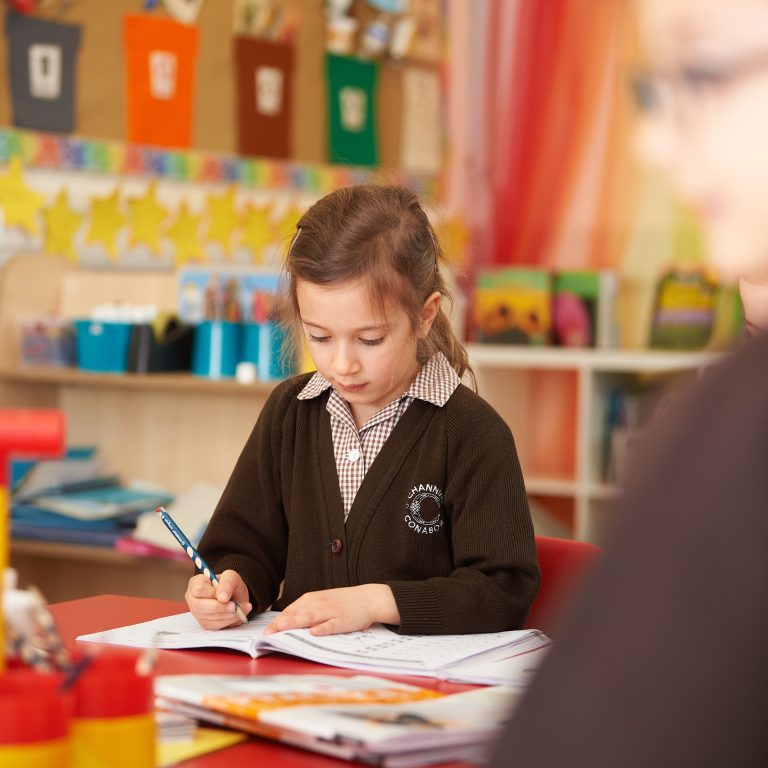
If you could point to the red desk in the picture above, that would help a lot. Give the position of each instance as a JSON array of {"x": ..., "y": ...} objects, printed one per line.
[{"x": 94, "y": 614}]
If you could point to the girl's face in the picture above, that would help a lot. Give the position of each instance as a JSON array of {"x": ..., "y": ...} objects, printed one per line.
[
  {"x": 705, "y": 100},
  {"x": 369, "y": 356}
]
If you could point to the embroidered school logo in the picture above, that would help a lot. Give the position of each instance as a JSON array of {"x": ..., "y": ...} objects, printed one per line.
[{"x": 424, "y": 509}]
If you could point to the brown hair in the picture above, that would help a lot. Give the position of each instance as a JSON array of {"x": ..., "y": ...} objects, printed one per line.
[{"x": 381, "y": 234}]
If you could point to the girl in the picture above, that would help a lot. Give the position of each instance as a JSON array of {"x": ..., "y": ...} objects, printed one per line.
[{"x": 380, "y": 488}]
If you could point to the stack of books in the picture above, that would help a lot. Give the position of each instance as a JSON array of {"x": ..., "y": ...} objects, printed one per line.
[
  {"x": 75, "y": 500},
  {"x": 353, "y": 718}
]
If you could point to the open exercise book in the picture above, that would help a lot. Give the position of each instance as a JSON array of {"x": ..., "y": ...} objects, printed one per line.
[
  {"x": 460, "y": 658},
  {"x": 353, "y": 718}
]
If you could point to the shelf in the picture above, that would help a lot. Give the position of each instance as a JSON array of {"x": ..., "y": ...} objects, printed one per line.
[
  {"x": 549, "y": 486},
  {"x": 605, "y": 360},
  {"x": 85, "y": 554},
  {"x": 603, "y": 491},
  {"x": 553, "y": 486},
  {"x": 171, "y": 382}
]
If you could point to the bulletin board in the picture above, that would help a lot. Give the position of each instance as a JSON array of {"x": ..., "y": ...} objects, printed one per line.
[{"x": 100, "y": 100}]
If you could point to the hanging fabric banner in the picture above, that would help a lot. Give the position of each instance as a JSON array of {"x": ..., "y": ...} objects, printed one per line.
[
  {"x": 264, "y": 87},
  {"x": 41, "y": 66},
  {"x": 421, "y": 132},
  {"x": 160, "y": 70},
  {"x": 352, "y": 94}
]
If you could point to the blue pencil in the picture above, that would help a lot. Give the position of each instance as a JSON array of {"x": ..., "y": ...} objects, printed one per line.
[{"x": 186, "y": 545}]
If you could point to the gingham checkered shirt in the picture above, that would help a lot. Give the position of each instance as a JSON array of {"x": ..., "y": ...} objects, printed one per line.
[{"x": 355, "y": 449}]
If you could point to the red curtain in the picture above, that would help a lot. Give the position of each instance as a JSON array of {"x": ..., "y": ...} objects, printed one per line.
[{"x": 557, "y": 122}]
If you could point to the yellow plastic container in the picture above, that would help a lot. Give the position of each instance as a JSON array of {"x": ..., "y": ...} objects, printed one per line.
[
  {"x": 50, "y": 754},
  {"x": 113, "y": 724},
  {"x": 113, "y": 742}
]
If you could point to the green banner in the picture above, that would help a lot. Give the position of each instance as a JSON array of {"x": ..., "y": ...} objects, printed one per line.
[{"x": 352, "y": 110}]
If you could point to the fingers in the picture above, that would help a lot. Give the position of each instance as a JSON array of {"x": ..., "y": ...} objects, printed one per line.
[
  {"x": 331, "y": 627},
  {"x": 291, "y": 619},
  {"x": 231, "y": 587},
  {"x": 327, "y": 612},
  {"x": 206, "y": 605}
]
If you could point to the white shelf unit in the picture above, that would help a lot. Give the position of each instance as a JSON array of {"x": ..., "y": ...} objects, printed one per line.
[{"x": 554, "y": 401}]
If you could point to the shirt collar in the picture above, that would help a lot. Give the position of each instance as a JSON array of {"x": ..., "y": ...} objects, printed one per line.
[{"x": 434, "y": 383}]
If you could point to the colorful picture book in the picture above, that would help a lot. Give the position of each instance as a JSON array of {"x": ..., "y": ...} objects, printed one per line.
[
  {"x": 584, "y": 309},
  {"x": 684, "y": 311},
  {"x": 354, "y": 718},
  {"x": 232, "y": 294},
  {"x": 513, "y": 306},
  {"x": 376, "y": 649}
]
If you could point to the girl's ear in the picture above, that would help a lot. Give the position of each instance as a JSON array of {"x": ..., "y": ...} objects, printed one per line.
[{"x": 429, "y": 311}]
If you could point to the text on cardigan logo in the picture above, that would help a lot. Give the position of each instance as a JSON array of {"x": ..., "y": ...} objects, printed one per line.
[{"x": 424, "y": 506}]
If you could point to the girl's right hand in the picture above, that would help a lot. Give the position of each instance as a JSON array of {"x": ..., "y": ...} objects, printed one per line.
[{"x": 212, "y": 606}]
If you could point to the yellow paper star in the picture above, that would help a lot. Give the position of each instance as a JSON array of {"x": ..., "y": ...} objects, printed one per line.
[
  {"x": 453, "y": 237},
  {"x": 61, "y": 223},
  {"x": 285, "y": 224},
  {"x": 146, "y": 217},
  {"x": 183, "y": 233},
  {"x": 256, "y": 231},
  {"x": 106, "y": 220},
  {"x": 222, "y": 219},
  {"x": 20, "y": 204}
]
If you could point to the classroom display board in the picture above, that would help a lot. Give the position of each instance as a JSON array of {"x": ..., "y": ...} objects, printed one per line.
[{"x": 214, "y": 75}]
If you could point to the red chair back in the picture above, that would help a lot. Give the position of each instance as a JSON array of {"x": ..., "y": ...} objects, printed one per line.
[{"x": 564, "y": 564}]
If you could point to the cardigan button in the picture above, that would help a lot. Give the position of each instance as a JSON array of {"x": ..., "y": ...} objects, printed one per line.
[{"x": 336, "y": 546}]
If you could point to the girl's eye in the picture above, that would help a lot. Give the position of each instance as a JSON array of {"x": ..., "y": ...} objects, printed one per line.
[
  {"x": 372, "y": 342},
  {"x": 318, "y": 339}
]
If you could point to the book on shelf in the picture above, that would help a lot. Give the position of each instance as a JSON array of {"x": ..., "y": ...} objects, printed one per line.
[
  {"x": 376, "y": 649},
  {"x": 513, "y": 306},
  {"x": 354, "y": 718},
  {"x": 684, "y": 311},
  {"x": 584, "y": 308},
  {"x": 101, "y": 500},
  {"x": 629, "y": 411}
]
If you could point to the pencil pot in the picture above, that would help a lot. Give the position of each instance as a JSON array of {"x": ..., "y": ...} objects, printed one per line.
[
  {"x": 262, "y": 345},
  {"x": 102, "y": 346},
  {"x": 216, "y": 348},
  {"x": 34, "y": 721},
  {"x": 113, "y": 724},
  {"x": 160, "y": 348}
]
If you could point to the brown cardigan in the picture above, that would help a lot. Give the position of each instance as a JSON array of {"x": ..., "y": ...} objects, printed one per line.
[{"x": 442, "y": 515}]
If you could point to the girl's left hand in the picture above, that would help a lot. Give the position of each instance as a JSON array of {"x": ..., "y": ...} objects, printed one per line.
[{"x": 333, "y": 611}]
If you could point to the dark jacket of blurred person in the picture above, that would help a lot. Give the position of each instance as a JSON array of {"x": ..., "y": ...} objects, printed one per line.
[{"x": 663, "y": 660}]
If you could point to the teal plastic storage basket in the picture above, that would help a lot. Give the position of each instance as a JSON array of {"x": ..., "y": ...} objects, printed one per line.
[{"x": 102, "y": 346}]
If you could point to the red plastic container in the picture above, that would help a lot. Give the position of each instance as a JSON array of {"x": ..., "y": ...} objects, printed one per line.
[{"x": 34, "y": 721}]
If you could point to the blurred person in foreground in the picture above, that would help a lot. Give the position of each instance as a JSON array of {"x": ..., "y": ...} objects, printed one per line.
[{"x": 663, "y": 661}]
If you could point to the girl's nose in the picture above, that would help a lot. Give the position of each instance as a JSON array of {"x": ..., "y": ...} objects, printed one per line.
[{"x": 344, "y": 361}]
